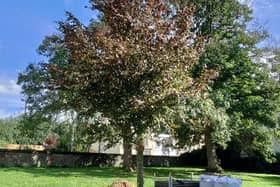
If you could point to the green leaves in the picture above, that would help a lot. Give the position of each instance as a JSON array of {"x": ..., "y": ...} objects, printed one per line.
[
  {"x": 245, "y": 96},
  {"x": 189, "y": 120}
]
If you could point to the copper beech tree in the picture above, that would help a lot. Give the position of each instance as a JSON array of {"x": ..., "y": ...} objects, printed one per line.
[{"x": 137, "y": 64}]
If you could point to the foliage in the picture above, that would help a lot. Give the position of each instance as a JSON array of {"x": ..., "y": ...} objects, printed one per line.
[
  {"x": 97, "y": 128},
  {"x": 8, "y": 130},
  {"x": 189, "y": 120},
  {"x": 244, "y": 93},
  {"x": 125, "y": 70},
  {"x": 245, "y": 89},
  {"x": 252, "y": 99},
  {"x": 43, "y": 106},
  {"x": 23, "y": 130}
]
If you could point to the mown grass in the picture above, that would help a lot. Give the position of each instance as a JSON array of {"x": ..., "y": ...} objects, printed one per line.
[
  {"x": 100, "y": 177},
  {"x": 2, "y": 143}
]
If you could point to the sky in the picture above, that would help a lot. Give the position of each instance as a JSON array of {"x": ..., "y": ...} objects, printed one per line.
[{"x": 24, "y": 24}]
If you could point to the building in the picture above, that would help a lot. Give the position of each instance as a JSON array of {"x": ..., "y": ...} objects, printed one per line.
[{"x": 160, "y": 145}]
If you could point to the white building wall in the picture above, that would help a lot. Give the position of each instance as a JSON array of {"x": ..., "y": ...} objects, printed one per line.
[{"x": 154, "y": 145}]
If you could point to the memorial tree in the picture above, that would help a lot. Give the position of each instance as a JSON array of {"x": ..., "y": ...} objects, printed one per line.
[{"x": 133, "y": 68}]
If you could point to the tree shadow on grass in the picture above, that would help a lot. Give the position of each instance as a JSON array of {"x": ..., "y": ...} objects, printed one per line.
[
  {"x": 110, "y": 172},
  {"x": 73, "y": 172},
  {"x": 106, "y": 172},
  {"x": 269, "y": 179},
  {"x": 184, "y": 173}
]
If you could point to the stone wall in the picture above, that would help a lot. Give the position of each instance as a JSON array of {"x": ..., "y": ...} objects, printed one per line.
[{"x": 26, "y": 158}]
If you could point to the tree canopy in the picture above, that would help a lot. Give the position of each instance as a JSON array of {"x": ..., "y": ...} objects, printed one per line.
[
  {"x": 244, "y": 93},
  {"x": 132, "y": 67}
]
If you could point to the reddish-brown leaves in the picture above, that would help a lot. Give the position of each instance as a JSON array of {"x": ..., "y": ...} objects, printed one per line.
[
  {"x": 141, "y": 56},
  {"x": 50, "y": 142}
]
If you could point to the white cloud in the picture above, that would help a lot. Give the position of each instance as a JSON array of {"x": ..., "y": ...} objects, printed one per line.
[
  {"x": 10, "y": 98},
  {"x": 9, "y": 88}
]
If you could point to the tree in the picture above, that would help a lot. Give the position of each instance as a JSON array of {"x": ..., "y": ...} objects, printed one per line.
[
  {"x": 262, "y": 126},
  {"x": 200, "y": 121},
  {"x": 236, "y": 90},
  {"x": 43, "y": 107},
  {"x": 135, "y": 67},
  {"x": 221, "y": 21},
  {"x": 247, "y": 92}
]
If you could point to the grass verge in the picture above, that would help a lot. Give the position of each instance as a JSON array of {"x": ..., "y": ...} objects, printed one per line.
[{"x": 101, "y": 177}]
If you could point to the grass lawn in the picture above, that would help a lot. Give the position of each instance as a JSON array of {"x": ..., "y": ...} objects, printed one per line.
[{"x": 99, "y": 177}]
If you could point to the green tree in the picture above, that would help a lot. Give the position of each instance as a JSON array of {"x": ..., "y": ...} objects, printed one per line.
[
  {"x": 200, "y": 121},
  {"x": 43, "y": 106},
  {"x": 244, "y": 90}
]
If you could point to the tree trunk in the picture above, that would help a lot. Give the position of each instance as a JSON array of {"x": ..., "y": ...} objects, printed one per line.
[
  {"x": 72, "y": 142},
  {"x": 212, "y": 160},
  {"x": 127, "y": 155},
  {"x": 140, "y": 162},
  {"x": 73, "y": 128}
]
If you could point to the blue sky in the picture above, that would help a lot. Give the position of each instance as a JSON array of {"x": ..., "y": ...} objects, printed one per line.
[{"x": 23, "y": 25}]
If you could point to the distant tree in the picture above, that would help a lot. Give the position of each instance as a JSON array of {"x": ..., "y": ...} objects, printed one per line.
[
  {"x": 43, "y": 106},
  {"x": 8, "y": 130}
]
